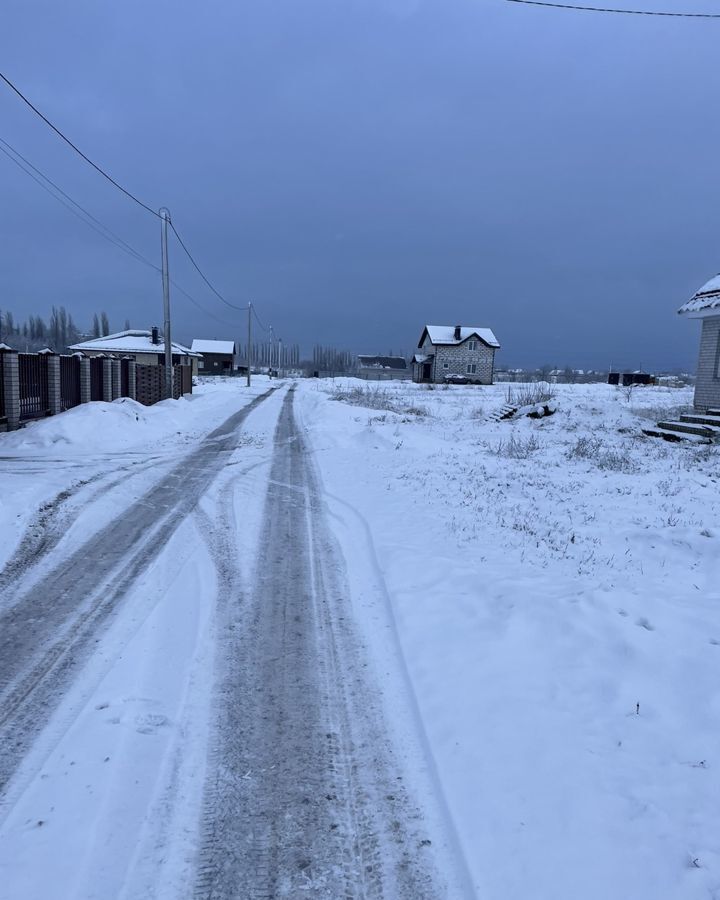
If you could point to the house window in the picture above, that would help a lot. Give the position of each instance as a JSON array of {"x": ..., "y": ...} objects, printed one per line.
[
  {"x": 472, "y": 345},
  {"x": 446, "y": 365},
  {"x": 471, "y": 368}
]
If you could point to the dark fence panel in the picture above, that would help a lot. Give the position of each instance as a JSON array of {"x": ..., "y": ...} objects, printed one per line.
[
  {"x": 187, "y": 379},
  {"x": 69, "y": 382},
  {"x": 124, "y": 377},
  {"x": 149, "y": 384},
  {"x": 96, "y": 378},
  {"x": 2, "y": 388},
  {"x": 34, "y": 397}
]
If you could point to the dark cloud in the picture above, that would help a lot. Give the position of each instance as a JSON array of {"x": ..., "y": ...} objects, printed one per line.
[{"x": 361, "y": 168}]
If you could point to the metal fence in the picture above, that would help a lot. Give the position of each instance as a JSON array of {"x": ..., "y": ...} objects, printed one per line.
[
  {"x": 34, "y": 394},
  {"x": 124, "y": 377},
  {"x": 69, "y": 382},
  {"x": 33, "y": 385},
  {"x": 97, "y": 378}
]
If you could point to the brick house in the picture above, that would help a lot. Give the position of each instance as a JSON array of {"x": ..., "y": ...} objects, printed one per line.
[
  {"x": 705, "y": 305},
  {"x": 147, "y": 348},
  {"x": 459, "y": 351}
]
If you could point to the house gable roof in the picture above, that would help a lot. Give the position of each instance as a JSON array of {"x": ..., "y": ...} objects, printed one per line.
[
  {"x": 704, "y": 299},
  {"x": 445, "y": 334},
  {"x": 202, "y": 346},
  {"x": 382, "y": 362},
  {"x": 131, "y": 341}
]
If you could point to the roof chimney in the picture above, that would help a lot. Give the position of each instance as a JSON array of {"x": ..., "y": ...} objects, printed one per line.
[
  {"x": 457, "y": 332},
  {"x": 155, "y": 336}
]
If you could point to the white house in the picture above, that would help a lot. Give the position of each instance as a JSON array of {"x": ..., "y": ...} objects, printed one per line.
[{"x": 147, "y": 348}]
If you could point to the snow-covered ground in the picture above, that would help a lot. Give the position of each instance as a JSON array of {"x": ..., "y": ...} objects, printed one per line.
[
  {"x": 555, "y": 584},
  {"x": 551, "y": 587}
]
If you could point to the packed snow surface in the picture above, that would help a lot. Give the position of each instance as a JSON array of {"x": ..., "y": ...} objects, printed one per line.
[{"x": 540, "y": 596}]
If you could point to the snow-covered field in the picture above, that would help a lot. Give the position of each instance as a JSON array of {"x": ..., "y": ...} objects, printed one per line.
[
  {"x": 555, "y": 584},
  {"x": 551, "y": 586}
]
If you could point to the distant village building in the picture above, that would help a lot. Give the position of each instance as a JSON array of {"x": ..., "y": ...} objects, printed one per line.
[
  {"x": 147, "y": 348},
  {"x": 455, "y": 353},
  {"x": 705, "y": 305},
  {"x": 218, "y": 357},
  {"x": 382, "y": 368}
]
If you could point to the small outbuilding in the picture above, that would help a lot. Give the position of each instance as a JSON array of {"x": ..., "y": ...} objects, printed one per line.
[
  {"x": 382, "y": 368},
  {"x": 705, "y": 305},
  {"x": 462, "y": 353},
  {"x": 218, "y": 357}
]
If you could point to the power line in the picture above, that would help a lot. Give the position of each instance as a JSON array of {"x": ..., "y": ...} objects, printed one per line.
[
  {"x": 76, "y": 148},
  {"x": 93, "y": 222},
  {"x": 110, "y": 235},
  {"x": 257, "y": 317},
  {"x": 127, "y": 193},
  {"x": 625, "y": 12},
  {"x": 201, "y": 273}
]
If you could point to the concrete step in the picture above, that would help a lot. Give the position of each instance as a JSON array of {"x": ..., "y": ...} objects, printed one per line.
[
  {"x": 674, "y": 436},
  {"x": 699, "y": 419},
  {"x": 688, "y": 428},
  {"x": 713, "y": 412}
]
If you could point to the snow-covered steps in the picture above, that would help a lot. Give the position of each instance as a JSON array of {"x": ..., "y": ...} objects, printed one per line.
[
  {"x": 669, "y": 434},
  {"x": 706, "y": 431},
  {"x": 709, "y": 418},
  {"x": 505, "y": 412}
]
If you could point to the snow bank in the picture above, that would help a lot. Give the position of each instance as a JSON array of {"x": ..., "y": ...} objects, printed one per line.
[{"x": 555, "y": 584}]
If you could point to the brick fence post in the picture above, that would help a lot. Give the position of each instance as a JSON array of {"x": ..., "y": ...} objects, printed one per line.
[
  {"x": 116, "y": 378},
  {"x": 53, "y": 377},
  {"x": 132, "y": 379},
  {"x": 85, "y": 389},
  {"x": 107, "y": 380},
  {"x": 11, "y": 381}
]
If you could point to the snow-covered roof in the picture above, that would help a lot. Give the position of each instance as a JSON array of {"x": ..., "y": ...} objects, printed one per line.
[
  {"x": 445, "y": 334},
  {"x": 708, "y": 297},
  {"x": 422, "y": 357},
  {"x": 202, "y": 346},
  {"x": 133, "y": 341}
]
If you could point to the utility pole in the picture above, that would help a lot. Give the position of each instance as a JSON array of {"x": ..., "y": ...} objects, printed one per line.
[
  {"x": 165, "y": 218},
  {"x": 272, "y": 350},
  {"x": 279, "y": 354},
  {"x": 249, "y": 343}
]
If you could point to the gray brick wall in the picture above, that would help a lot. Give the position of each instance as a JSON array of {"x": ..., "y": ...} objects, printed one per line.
[
  {"x": 707, "y": 386},
  {"x": 9, "y": 361},
  {"x": 85, "y": 380},
  {"x": 107, "y": 380},
  {"x": 457, "y": 358},
  {"x": 54, "y": 385},
  {"x": 116, "y": 376}
]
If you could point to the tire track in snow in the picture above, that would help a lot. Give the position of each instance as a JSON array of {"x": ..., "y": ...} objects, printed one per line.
[
  {"x": 46, "y": 634},
  {"x": 53, "y": 519},
  {"x": 303, "y": 795}
]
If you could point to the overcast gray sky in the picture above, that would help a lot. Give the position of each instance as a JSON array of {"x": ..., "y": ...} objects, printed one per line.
[{"x": 358, "y": 168}]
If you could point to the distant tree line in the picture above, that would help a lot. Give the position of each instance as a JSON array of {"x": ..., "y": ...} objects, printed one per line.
[
  {"x": 58, "y": 333},
  {"x": 265, "y": 354},
  {"x": 328, "y": 359}
]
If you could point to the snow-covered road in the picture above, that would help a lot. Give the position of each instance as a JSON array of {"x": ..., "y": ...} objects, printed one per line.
[{"x": 186, "y": 707}]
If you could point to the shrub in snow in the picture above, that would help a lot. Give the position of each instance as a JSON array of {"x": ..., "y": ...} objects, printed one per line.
[
  {"x": 529, "y": 394},
  {"x": 518, "y": 448}
]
